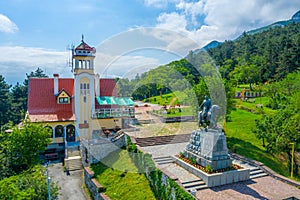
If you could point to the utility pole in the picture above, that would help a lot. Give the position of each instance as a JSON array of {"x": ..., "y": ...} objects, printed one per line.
[{"x": 48, "y": 181}]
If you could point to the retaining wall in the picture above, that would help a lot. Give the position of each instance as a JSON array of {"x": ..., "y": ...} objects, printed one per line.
[
  {"x": 93, "y": 185},
  {"x": 216, "y": 179}
]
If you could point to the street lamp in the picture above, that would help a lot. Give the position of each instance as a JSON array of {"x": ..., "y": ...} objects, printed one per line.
[{"x": 292, "y": 165}]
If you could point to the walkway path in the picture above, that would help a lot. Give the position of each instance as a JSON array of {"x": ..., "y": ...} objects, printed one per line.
[
  {"x": 264, "y": 187},
  {"x": 71, "y": 184}
]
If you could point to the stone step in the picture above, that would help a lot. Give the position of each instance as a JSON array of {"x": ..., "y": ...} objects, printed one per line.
[
  {"x": 161, "y": 140},
  {"x": 200, "y": 187},
  {"x": 73, "y": 153},
  {"x": 163, "y": 160},
  {"x": 73, "y": 163},
  {"x": 257, "y": 173},
  {"x": 195, "y": 184}
]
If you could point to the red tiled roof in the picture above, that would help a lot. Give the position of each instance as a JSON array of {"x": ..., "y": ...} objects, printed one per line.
[
  {"x": 108, "y": 87},
  {"x": 42, "y": 103},
  {"x": 85, "y": 46}
]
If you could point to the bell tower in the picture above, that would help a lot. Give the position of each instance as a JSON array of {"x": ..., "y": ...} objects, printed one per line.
[{"x": 84, "y": 94}]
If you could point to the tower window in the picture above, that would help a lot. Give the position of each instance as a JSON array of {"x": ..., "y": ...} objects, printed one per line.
[{"x": 84, "y": 88}]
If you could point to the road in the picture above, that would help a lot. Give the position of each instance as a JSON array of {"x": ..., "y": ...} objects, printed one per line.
[{"x": 70, "y": 184}]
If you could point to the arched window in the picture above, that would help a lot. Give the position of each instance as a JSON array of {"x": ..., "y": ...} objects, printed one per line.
[
  {"x": 71, "y": 133},
  {"x": 59, "y": 131},
  {"x": 51, "y": 130}
]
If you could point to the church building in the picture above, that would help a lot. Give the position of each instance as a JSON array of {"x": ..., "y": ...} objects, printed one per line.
[{"x": 85, "y": 107}]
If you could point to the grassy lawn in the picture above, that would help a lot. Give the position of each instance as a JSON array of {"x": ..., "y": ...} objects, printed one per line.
[
  {"x": 120, "y": 185},
  {"x": 174, "y": 112},
  {"x": 170, "y": 99},
  {"x": 239, "y": 135},
  {"x": 253, "y": 105}
]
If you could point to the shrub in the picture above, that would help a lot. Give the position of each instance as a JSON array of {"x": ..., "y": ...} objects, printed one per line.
[
  {"x": 193, "y": 161},
  {"x": 181, "y": 154},
  {"x": 209, "y": 169}
]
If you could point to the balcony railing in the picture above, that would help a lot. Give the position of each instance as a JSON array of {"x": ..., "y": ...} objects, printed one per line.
[{"x": 113, "y": 112}]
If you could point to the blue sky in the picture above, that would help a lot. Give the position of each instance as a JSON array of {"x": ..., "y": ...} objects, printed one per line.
[{"x": 35, "y": 33}]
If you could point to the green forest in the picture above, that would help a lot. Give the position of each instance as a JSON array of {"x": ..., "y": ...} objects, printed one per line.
[{"x": 13, "y": 99}]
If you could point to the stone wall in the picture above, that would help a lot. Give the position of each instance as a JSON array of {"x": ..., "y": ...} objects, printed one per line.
[
  {"x": 99, "y": 148},
  {"x": 94, "y": 186}
]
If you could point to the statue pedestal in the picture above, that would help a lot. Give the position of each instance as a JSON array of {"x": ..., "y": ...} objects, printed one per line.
[{"x": 209, "y": 148}]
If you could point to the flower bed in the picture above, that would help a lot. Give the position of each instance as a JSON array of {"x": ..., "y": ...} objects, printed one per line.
[{"x": 207, "y": 169}]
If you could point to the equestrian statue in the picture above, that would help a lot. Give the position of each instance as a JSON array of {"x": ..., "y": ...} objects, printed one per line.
[{"x": 207, "y": 117}]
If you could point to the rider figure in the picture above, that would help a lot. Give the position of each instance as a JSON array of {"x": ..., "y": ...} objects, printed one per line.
[{"x": 206, "y": 104}]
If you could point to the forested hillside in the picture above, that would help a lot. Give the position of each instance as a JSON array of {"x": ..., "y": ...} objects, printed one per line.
[
  {"x": 264, "y": 57},
  {"x": 13, "y": 99},
  {"x": 261, "y": 57}
]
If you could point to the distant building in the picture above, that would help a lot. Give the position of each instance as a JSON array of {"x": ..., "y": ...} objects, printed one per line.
[{"x": 83, "y": 107}]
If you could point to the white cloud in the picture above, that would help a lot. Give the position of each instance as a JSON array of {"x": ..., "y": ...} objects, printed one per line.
[
  {"x": 226, "y": 19},
  {"x": 6, "y": 25},
  {"x": 126, "y": 66},
  {"x": 159, "y": 3},
  {"x": 192, "y": 8},
  {"x": 16, "y": 61},
  {"x": 172, "y": 21}
]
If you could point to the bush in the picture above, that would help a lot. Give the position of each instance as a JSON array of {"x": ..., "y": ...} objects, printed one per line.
[
  {"x": 181, "y": 154},
  {"x": 209, "y": 169},
  {"x": 193, "y": 161}
]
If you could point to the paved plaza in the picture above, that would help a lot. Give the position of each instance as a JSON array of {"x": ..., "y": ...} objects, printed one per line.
[{"x": 259, "y": 188}]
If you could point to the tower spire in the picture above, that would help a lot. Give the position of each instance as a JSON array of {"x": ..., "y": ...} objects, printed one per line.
[{"x": 82, "y": 38}]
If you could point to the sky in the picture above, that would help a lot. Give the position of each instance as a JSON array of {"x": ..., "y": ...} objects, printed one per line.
[{"x": 131, "y": 36}]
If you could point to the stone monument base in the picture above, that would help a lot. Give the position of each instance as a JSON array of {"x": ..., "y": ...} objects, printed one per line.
[
  {"x": 209, "y": 148},
  {"x": 216, "y": 179},
  {"x": 215, "y": 164}
]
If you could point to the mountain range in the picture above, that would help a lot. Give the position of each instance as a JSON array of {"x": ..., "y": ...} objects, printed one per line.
[{"x": 295, "y": 19}]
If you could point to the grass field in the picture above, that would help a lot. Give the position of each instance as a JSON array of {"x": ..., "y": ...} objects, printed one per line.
[
  {"x": 239, "y": 135},
  {"x": 175, "y": 112},
  {"x": 170, "y": 99},
  {"x": 120, "y": 185},
  {"x": 253, "y": 105}
]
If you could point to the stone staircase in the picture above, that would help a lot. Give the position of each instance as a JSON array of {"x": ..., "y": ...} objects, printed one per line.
[
  {"x": 73, "y": 152},
  {"x": 195, "y": 184},
  {"x": 257, "y": 173},
  {"x": 161, "y": 140},
  {"x": 163, "y": 160},
  {"x": 73, "y": 161}
]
